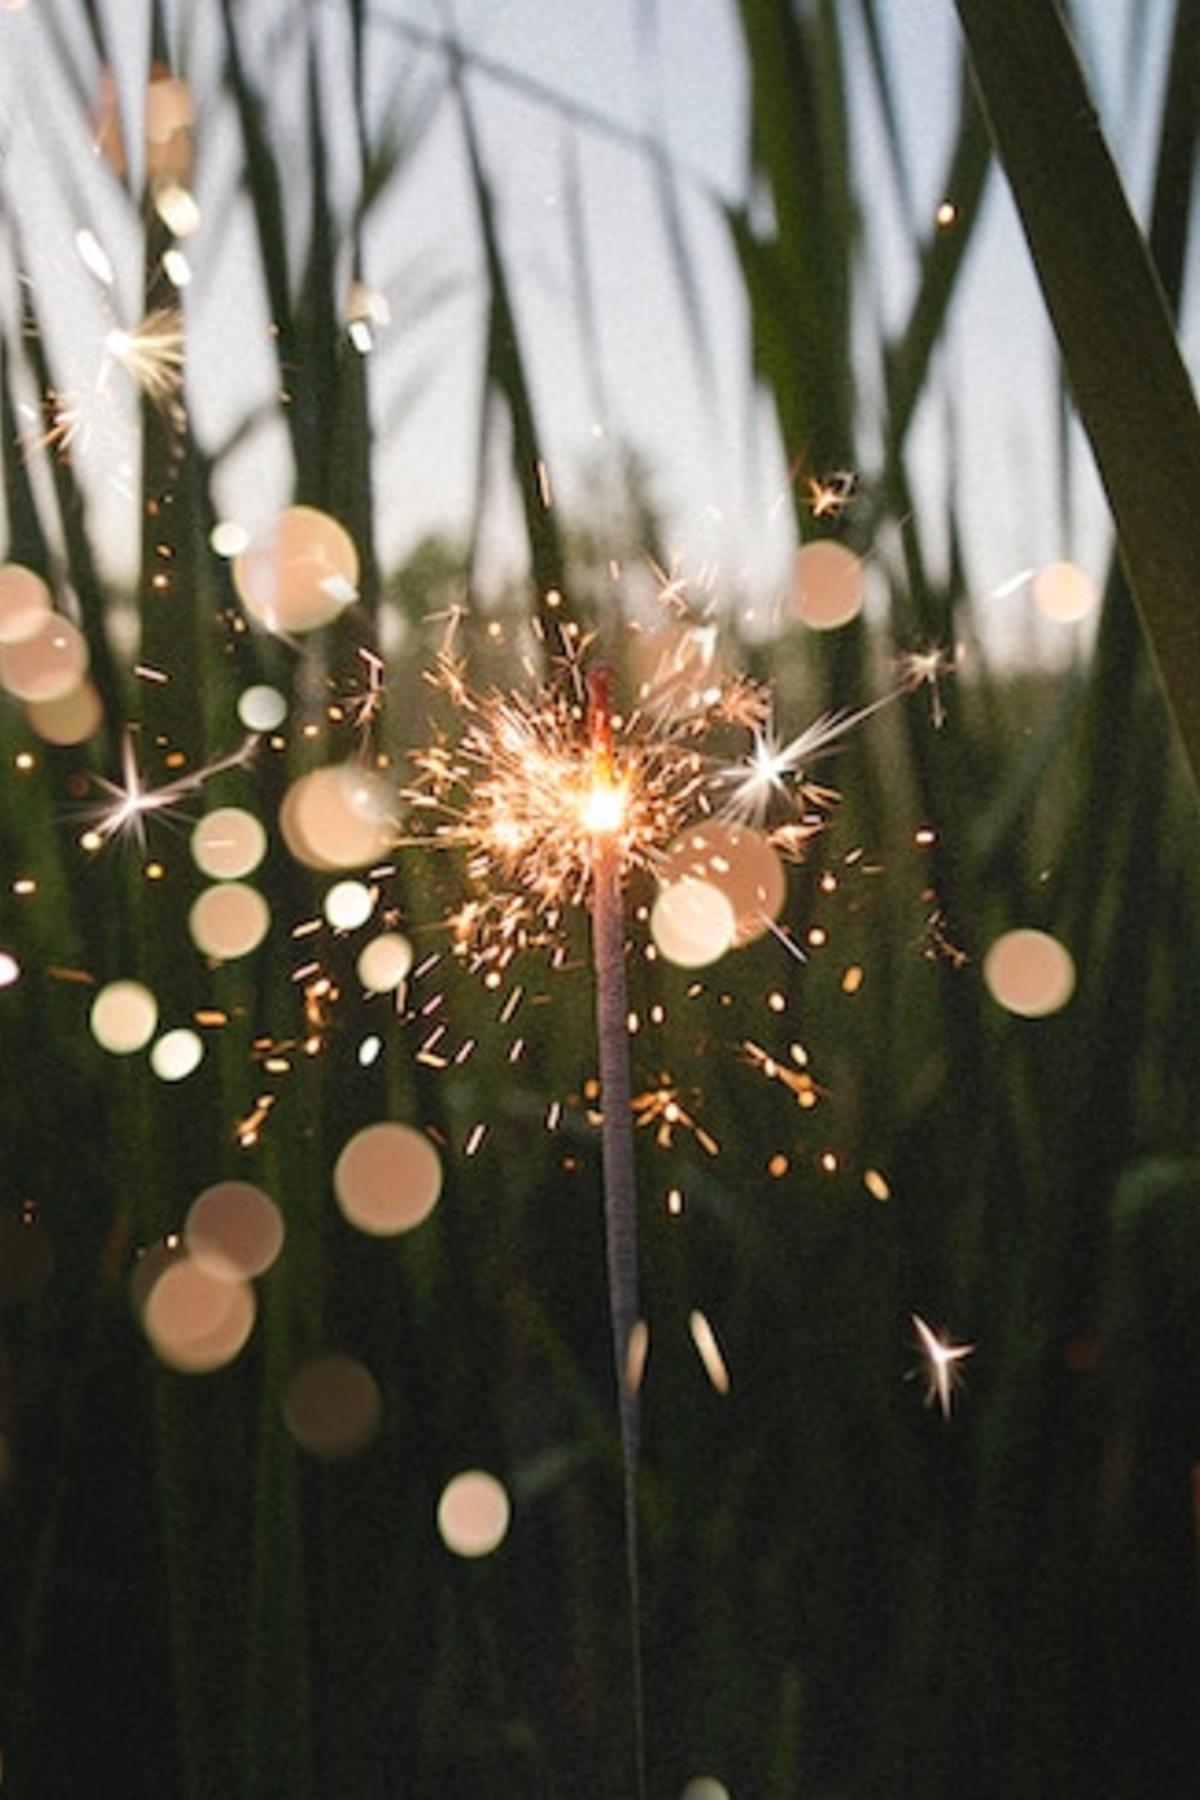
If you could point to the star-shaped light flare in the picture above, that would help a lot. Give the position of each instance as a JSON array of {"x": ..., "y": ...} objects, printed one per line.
[
  {"x": 941, "y": 1359},
  {"x": 132, "y": 800}
]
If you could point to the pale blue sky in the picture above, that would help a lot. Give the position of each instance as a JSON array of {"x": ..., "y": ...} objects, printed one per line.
[{"x": 718, "y": 469}]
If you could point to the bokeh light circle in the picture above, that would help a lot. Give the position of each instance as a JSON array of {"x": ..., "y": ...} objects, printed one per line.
[
  {"x": 741, "y": 863},
  {"x": 828, "y": 585},
  {"x": 1029, "y": 972},
  {"x": 692, "y": 923},
  {"x": 233, "y": 1230},
  {"x": 1064, "y": 593},
  {"x": 348, "y": 904},
  {"x": 387, "y": 1179},
  {"x": 705, "y": 1787},
  {"x": 473, "y": 1513},
  {"x": 338, "y": 817},
  {"x": 124, "y": 1017},
  {"x": 262, "y": 708},
  {"x": 177, "y": 1055},
  {"x": 229, "y": 920},
  {"x": 197, "y": 1321},
  {"x": 227, "y": 538},
  {"x": 152, "y": 1261},
  {"x": 228, "y": 842},
  {"x": 385, "y": 962},
  {"x": 69, "y": 719},
  {"x": 332, "y": 1406},
  {"x": 25, "y": 602},
  {"x": 46, "y": 664},
  {"x": 298, "y": 573},
  {"x": 10, "y": 969}
]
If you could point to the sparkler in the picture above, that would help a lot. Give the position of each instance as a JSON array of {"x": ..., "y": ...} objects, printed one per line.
[
  {"x": 557, "y": 801},
  {"x": 603, "y": 809},
  {"x": 520, "y": 794}
]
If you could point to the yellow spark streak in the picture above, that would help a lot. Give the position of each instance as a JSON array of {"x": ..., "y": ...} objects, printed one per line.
[
  {"x": 797, "y": 1081},
  {"x": 662, "y": 1108},
  {"x": 709, "y": 1351}
]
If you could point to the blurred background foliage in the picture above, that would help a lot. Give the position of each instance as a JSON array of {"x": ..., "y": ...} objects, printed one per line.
[{"x": 844, "y": 1593}]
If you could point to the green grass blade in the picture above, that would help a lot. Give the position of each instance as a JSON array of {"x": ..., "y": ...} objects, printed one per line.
[{"x": 1129, "y": 381}]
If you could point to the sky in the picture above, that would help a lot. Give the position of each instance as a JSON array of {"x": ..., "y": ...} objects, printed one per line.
[{"x": 673, "y": 73}]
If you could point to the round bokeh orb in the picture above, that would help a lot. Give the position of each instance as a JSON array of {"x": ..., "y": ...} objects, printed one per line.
[
  {"x": 828, "y": 585},
  {"x": 234, "y": 1230},
  {"x": 387, "y": 1179},
  {"x": 229, "y": 920},
  {"x": 339, "y": 817},
  {"x": 262, "y": 708},
  {"x": 692, "y": 923},
  {"x": 228, "y": 843},
  {"x": 705, "y": 1787},
  {"x": 299, "y": 572},
  {"x": 348, "y": 904},
  {"x": 228, "y": 538},
  {"x": 46, "y": 664},
  {"x": 177, "y": 1055},
  {"x": 741, "y": 863},
  {"x": 25, "y": 602},
  {"x": 332, "y": 1406},
  {"x": 71, "y": 718},
  {"x": 1064, "y": 593},
  {"x": 197, "y": 1321},
  {"x": 124, "y": 1017},
  {"x": 1029, "y": 973},
  {"x": 473, "y": 1513},
  {"x": 385, "y": 963}
]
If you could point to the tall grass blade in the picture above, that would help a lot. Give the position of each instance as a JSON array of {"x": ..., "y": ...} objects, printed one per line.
[{"x": 1131, "y": 387}]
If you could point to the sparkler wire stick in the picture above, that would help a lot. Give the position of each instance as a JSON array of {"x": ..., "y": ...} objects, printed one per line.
[{"x": 616, "y": 1100}]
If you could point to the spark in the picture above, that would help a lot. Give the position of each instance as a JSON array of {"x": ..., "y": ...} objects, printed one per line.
[
  {"x": 775, "y": 769},
  {"x": 527, "y": 797},
  {"x": 830, "y": 495},
  {"x": 151, "y": 354},
  {"x": 709, "y": 1351},
  {"x": 366, "y": 703},
  {"x": 132, "y": 800},
  {"x": 663, "y": 1109},
  {"x": 1011, "y": 585},
  {"x": 66, "y": 424},
  {"x": 798, "y": 1082},
  {"x": 925, "y": 668},
  {"x": 248, "y": 1130},
  {"x": 942, "y": 1374},
  {"x": 937, "y": 942}
]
